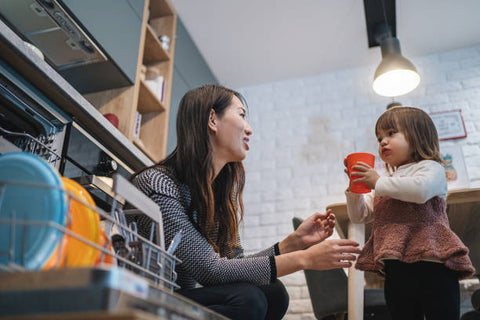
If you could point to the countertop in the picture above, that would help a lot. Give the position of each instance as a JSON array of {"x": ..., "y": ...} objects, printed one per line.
[{"x": 40, "y": 74}]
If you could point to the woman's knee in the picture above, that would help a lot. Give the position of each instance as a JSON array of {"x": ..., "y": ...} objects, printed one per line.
[
  {"x": 251, "y": 300},
  {"x": 277, "y": 298}
]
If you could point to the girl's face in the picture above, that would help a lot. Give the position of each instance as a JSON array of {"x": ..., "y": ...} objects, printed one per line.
[
  {"x": 393, "y": 147},
  {"x": 231, "y": 133}
]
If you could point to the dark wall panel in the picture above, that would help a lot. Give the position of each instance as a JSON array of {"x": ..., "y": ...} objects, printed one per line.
[{"x": 190, "y": 71}]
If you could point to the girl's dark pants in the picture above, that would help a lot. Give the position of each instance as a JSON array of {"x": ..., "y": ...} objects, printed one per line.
[
  {"x": 413, "y": 290},
  {"x": 243, "y": 300}
]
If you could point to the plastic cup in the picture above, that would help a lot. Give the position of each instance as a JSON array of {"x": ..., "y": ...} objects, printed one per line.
[{"x": 351, "y": 160}]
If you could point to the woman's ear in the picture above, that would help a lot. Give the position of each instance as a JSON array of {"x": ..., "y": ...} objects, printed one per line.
[{"x": 212, "y": 121}]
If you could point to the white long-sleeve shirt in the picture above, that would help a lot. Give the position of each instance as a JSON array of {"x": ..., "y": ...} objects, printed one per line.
[{"x": 414, "y": 182}]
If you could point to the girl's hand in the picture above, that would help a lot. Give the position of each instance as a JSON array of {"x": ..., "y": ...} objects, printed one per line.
[
  {"x": 367, "y": 174},
  {"x": 346, "y": 172},
  {"x": 316, "y": 228},
  {"x": 346, "y": 166}
]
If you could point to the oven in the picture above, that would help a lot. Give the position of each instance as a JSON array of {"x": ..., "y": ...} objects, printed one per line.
[{"x": 30, "y": 122}]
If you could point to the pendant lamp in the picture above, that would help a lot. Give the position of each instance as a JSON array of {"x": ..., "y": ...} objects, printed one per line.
[{"x": 396, "y": 75}]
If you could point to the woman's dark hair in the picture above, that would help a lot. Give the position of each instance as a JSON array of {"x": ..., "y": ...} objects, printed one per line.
[
  {"x": 418, "y": 128},
  {"x": 219, "y": 205}
]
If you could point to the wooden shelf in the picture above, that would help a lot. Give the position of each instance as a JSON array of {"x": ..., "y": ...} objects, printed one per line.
[
  {"x": 148, "y": 101},
  {"x": 140, "y": 145},
  {"x": 153, "y": 135},
  {"x": 139, "y": 98},
  {"x": 161, "y": 9},
  {"x": 153, "y": 52}
]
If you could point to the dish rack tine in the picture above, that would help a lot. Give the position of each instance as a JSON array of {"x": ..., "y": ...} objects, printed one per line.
[{"x": 130, "y": 193}]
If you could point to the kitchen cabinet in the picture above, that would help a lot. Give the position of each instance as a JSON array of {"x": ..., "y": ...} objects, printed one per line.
[
  {"x": 143, "y": 113},
  {"x": 93, "y": 44},
  {"x": 115, "y": 25}
]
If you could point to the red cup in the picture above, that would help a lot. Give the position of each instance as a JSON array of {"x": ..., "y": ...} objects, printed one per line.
[
  {"x": 112, "y": 118},
  {"x": 351, "y": 160}
]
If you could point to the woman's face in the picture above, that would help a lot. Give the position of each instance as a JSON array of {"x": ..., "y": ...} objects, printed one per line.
[{"x": 230, "y": 133}]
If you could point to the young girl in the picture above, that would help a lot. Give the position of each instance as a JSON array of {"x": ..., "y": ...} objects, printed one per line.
[{"x": 411, "y": 242}]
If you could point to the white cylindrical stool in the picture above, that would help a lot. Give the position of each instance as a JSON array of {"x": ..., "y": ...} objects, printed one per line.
[{"x": 356, "y": 282}]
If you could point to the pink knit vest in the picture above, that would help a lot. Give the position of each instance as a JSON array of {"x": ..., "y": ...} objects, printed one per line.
[{"x": 413, "y": 232}]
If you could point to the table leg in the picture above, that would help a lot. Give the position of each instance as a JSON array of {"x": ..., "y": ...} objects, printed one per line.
[{"x": 356, "y": 280}]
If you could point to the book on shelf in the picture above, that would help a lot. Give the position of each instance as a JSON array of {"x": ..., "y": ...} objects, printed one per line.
[
  {"x": 138, "y": 124},
  {"x": 162, "y": 96}
]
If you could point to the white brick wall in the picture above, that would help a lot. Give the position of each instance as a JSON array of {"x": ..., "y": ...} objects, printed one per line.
[{"x": 303, "y": 128}]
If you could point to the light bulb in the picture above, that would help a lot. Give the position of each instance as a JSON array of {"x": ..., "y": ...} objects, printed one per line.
[{"x": 395, "y": 83}]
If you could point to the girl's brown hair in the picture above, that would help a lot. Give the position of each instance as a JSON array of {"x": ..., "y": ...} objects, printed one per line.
[
  {"x": 418, "y": 128},
  {"x": 218, "y": 205}
]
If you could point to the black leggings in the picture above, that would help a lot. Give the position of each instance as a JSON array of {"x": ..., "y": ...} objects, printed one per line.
[
  {"x": 243, "y": 300},
  {"x": 415, "y": 290}
]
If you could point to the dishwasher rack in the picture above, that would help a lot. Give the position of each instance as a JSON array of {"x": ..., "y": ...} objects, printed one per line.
[{"x": 144, "y": 257}]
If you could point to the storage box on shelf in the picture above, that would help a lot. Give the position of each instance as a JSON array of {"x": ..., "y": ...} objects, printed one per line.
[{"x": 151, "y": 102}]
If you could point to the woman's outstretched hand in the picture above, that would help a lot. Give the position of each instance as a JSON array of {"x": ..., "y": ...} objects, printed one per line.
[
  {"x": 328, "y": 254},
  {"x": 314, "y": 229},
  {"x": 331, "y": 254}
]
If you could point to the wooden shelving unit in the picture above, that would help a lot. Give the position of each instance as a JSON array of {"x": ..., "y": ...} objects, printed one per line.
[
  {"x": 159, "y": 18},
  {"x": 154, "y": 52},
  {"x": 148, "y": 101}
]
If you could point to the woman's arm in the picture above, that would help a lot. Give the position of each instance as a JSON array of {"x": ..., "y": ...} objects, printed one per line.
[
  {"x": 202, "y": 263},
  {"x": 329, "y": 254},
  {"x": 199, "y": 259}
]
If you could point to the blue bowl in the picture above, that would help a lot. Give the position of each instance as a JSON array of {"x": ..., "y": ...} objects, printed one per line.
[{"x": 38, "y": 204}]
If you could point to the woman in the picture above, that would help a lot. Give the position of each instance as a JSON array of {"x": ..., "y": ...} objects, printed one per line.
[{"x": 199, "y": 190}]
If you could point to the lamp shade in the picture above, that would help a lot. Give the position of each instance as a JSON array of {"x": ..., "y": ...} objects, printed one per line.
[{"x": 396, "y": 75}]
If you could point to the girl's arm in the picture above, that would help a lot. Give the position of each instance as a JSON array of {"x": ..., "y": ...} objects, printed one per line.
[
  {"x": 417, "y": 183},
  {"x": 360, "y": 206}
]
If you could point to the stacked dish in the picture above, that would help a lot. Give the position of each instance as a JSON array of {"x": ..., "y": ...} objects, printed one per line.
[
  {"x": 32, "y": 204},
  {"x": 84, "y": 222},
  {"x": 36, "y": 205}
]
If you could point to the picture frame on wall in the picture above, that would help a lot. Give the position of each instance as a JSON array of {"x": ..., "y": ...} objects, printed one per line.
[
  {"x": 455, "y": 168},
  {"x": 449, "y": 124}
]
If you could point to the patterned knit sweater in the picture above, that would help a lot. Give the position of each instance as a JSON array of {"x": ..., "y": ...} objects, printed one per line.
[{"x": 200, "y": 263}]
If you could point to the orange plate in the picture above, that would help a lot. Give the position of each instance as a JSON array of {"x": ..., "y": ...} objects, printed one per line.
[
  {"x": 106, "y": 244},
  {"x": 85, "y": 222}
]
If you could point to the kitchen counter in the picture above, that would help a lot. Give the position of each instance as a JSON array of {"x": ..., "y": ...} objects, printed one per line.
[{"x": 40, "y": 74}]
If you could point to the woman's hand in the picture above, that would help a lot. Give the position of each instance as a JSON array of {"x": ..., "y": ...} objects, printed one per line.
[
  {"x": 314, "y": 229},
  {"x": 367, "y": 174},
  {"x": 331, "y": 254},
  {"x": 328, "y": 254}
]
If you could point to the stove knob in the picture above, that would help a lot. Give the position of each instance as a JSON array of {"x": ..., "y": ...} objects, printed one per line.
[{"x": 107, "y": 167}]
